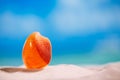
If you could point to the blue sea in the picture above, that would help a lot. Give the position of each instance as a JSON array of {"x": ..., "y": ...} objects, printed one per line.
[{"x": 69, "y": 58}]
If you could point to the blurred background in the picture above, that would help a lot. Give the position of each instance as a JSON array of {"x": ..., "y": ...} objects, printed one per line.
[{"x": 81, "y": 31}]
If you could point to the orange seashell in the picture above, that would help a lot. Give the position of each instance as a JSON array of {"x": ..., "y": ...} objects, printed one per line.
[{"x": 36, "y": 52}]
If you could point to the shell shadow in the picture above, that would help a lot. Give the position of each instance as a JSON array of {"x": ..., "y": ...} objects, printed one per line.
[{"x": 12, "y": 70}]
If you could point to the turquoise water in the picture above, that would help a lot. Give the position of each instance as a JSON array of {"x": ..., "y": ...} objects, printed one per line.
[
  {"x": 86, "y": 59},
  {"x": 71, "y": 58}
]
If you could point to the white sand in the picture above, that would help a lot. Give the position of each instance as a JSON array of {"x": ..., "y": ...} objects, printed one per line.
[{"x": 63, "y": 72}]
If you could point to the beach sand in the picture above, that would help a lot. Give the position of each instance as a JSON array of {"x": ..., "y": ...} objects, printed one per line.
[{"x": 109, "y": 71}]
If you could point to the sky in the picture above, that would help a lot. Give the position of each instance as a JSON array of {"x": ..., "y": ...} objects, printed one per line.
[{"x": 76, "y": 29}]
